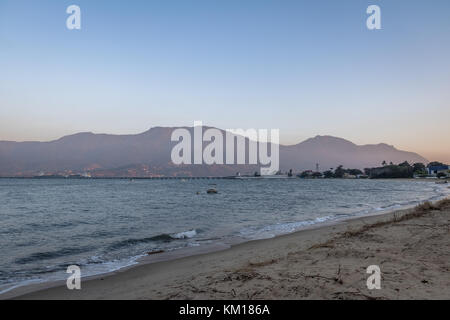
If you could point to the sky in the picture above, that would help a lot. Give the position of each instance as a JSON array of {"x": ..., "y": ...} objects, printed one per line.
[{"x": 305, "y": 67}]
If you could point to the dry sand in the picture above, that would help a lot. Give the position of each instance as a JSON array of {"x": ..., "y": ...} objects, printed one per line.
[{"x": 412, "y": 248}]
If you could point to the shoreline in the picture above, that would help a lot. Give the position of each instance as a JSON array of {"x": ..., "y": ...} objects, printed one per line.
[{"x": 176, "y": 261}]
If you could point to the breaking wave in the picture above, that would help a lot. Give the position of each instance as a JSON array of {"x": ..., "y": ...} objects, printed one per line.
[{"x": 164, "y": 237}]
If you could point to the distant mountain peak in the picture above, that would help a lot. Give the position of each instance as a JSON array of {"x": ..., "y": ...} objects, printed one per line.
[
  {"x": 385, "y": 145},
  {"x": 328, "y": 138},
  {"x": 76, "y": 136}
]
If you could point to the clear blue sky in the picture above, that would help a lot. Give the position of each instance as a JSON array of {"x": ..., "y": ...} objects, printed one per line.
[{"x": 305, "y": 67}]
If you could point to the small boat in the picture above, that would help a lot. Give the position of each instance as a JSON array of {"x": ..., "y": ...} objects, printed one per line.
[{"x": 212, "y": 190}]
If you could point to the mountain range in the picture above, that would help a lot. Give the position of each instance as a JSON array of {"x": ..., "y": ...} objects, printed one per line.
[{"x": 148, "y": 155}]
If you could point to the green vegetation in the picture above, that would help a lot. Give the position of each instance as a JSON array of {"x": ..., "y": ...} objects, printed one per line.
[
  {"x": 419, "y": 167},
  {"x": 386, "y": 171},
  {"x": 328, "y": 174},
  {"x": 403, "y": 170},
  {"x": 339, "y": 172},
  {"x": 435, "y": 164}
]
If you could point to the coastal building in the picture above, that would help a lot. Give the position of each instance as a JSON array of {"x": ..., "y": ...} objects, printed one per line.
[{"x": 435, "y": 170}]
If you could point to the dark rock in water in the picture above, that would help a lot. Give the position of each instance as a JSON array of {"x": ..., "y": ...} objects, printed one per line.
[
  {"x": 211, "y": 191},
  {"x": 155, "y": 252}
]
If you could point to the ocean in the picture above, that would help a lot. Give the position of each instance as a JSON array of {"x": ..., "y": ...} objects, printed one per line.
[{"x": 106, "y": 224}]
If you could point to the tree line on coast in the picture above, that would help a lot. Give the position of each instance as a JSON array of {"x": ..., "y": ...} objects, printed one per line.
[{"x": 401, "y": 170}]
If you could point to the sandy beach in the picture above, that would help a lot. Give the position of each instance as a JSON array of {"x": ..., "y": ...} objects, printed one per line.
[{"x": 411, "y": 247}]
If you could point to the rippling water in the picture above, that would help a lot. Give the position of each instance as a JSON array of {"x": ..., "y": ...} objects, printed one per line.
[{"x": 103, "y": 225}]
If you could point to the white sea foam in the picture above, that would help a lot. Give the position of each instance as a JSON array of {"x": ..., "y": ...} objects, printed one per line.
[
  {"x": 271, "y": 231},
  {"x": 184, "y": 235}
]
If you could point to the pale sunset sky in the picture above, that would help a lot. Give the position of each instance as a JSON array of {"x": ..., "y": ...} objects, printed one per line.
[{"x": 306, "y": 67}]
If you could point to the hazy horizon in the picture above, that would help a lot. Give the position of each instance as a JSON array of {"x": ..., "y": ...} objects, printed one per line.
[{"x": 306, "y": 68}]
